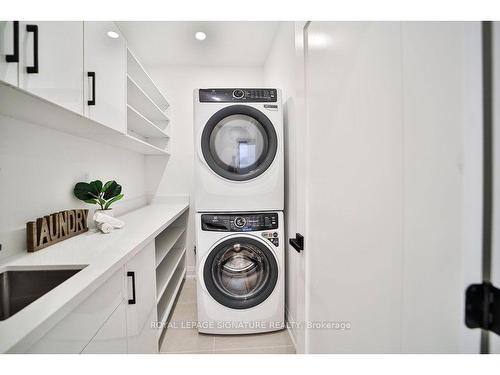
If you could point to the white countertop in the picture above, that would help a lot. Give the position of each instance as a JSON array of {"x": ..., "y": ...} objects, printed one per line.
[{"x": 102, "y": 254}]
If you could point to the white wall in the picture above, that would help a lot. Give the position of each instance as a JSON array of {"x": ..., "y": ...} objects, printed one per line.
[
  {"x": 178, "y": 83},
  {"x": 280, "y": 71},
  {"x": 39, "y": 168}
]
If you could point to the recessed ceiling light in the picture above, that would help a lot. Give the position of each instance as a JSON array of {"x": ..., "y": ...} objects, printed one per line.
[
  {"x": 113, "y": 35},
  {"x": 200, "y": 35}
]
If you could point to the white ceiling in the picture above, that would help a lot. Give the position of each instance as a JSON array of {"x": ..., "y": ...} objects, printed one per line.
[{"x": 242, "y": 43}]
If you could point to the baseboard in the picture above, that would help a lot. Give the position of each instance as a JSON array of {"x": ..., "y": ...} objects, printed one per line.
[{"x": 291, "y": 332}]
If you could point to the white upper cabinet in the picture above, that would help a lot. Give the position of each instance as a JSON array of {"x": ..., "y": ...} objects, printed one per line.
[
  {"x": 51, "y": 61},
  {"x": 9, "y": 51},
  {"x": 82, "y": 67},
  {"x": 105, "y": 71},
  {"x": 141, "y": 308}
]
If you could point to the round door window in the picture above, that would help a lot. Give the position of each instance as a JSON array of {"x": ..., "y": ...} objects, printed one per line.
[
  {"x": 240, "y": 273},
  {"x": 239, "y": 143}
]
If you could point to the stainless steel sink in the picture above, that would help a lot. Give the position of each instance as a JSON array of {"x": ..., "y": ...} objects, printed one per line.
[{"x": 19, "y": 288}]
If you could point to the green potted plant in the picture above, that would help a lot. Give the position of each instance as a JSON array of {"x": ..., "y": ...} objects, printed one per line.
[{"x": 95, "y": 192}]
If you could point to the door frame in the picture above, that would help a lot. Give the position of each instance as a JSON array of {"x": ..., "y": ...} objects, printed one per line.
[{"x": 301, "y": 335}]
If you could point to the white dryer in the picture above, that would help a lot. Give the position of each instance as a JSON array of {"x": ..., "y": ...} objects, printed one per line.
[
  {"x": 240, "y": 272},
  {"x": 238, "y": 135}
]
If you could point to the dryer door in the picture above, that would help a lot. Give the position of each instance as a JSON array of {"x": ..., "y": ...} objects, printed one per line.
[
  {"x": 239, "y": 142},
  {"x": 240, "y": 272}
]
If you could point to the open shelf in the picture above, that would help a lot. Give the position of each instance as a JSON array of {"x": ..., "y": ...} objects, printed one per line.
[
  {"x": 170, "y": 257},
  {"x": 142, "y": 103},
  {"x": 16, "y": 101},
  {"x": 168, "y": 299},
  {"x": 146, "y": 148},
  {"x": 137, "y": 72},
  {"x": 147, "y": 121},
  {"x": 165, "y": 271},
  {"x": 141, "y": 125},
  {"x": 166, "y": 241}
]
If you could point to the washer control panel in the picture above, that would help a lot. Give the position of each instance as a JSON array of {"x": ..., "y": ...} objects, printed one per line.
[
  {"x": 239, "y": 222},
  {"x": 237, "y": 95}
]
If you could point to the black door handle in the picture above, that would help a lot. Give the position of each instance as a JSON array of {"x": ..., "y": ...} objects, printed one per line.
[
  {"x": 297, "y": 242},
  {"x": 132, "y": 275},
  {"x": 14, "y": 58},
  {"x": 33, "y": 29},
  {"x": 92, "y": 75}
]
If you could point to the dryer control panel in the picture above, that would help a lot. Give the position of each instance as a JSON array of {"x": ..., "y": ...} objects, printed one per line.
[
  {"x": 238, "y": 95},
  {"x": 239, "y": 222}
]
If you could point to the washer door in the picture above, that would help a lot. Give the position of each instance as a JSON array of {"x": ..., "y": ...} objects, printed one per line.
[
  {"x": 239, "y": 143},
  {"x": 240, "y": 273}
]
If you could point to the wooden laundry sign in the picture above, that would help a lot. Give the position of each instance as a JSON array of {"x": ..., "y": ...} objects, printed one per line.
[{"x": 48, "y": 230}]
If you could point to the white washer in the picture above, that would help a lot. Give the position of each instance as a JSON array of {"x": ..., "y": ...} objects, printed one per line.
[
  {"x": 240, "y": 272},
  {"x": 238, "y": 135}
]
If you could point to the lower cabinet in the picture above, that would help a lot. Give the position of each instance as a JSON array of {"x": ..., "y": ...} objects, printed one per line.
[
  {"x": 112, "y": 337},
  {"x": 116, "y": 318},
  {"x": 142, "y": 338}
]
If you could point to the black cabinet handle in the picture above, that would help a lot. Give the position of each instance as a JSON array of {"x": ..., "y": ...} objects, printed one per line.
[
  {"x": 14, "y": 58},
  {"x": 297, "y": 242},
  {"x": 33, "y": 29},
  {"x": 132, "y": 275},
  {"x": 92, "y": 75}
]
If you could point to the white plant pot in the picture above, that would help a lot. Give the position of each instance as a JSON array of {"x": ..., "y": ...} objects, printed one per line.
[{"x": 108, "y": 212}]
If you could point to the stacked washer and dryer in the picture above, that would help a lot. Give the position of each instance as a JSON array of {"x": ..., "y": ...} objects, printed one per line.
[{"x": 239, "y": 198}]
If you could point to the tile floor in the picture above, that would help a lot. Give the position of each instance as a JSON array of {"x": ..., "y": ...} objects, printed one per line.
[{"x": 189, "y": 341}]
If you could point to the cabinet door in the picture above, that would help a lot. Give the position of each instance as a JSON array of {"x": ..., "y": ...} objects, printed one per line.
[
  {"x": 79, "y": 327},
  {"x": 141, "y": 337},
  {"x": 8, "y": 56},
  {"x": 105, "y": 58},
  {"x": 112, "y": 337},
  {"x": 51, "y": 62}
]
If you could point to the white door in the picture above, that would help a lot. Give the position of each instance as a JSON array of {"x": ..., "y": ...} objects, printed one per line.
[
  {"x": 442, "y": 197},
  {"x": 354, "y": 210},
  {"x": 105, "y": 64},
  {"x": 9, "y": 51},
  {"x": 51, "y": 61},
  {"x": 391, "y": 190},
  {"x": 141, "y": 309}
]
